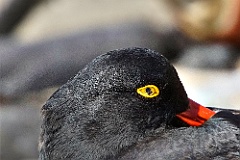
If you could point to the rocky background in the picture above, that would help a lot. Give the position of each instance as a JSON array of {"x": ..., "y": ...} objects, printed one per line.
[{"x": 51, "y": 40}]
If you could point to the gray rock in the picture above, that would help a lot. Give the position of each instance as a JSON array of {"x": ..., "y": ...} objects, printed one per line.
[
  {"x": 52, "y": 62},
  {"x": 20, "y": 128},
  {"x": 210, "y": 56}
]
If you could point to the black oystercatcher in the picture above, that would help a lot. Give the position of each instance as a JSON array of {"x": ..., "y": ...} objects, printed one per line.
[{"x": 130, "y": 104}]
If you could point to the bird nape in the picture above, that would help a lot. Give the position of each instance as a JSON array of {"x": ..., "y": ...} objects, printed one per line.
[{"x": 130, "y": 104}]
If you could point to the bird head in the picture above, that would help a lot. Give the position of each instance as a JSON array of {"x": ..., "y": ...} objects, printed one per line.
[{"x": 115, "y": 101}]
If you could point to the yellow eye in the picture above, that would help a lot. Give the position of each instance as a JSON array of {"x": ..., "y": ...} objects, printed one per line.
[{"x": 148, "y": 91}]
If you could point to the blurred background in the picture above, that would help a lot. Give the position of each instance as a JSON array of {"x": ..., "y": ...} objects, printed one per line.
[{"x": 45, "y": 42}]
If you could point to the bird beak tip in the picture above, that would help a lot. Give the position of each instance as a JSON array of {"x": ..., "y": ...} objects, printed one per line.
[{"x": 196, "y": 115}]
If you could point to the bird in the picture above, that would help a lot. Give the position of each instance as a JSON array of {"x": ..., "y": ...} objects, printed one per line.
[{"x": 129, "y": 103}]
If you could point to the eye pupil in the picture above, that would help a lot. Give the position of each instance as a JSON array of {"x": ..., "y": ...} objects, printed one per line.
[{"x": 149, "y": 91}]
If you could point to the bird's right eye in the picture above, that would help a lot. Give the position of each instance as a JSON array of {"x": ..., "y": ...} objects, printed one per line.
[{"x": 148, "y": 91}]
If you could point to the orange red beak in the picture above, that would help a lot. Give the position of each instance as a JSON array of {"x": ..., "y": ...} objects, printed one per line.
[{"x": 196, "y": 115}]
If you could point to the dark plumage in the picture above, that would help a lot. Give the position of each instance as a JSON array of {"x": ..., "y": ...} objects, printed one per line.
[
  {"x": 101, "y": 114},
  {"x": 217, "y": 139}
]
